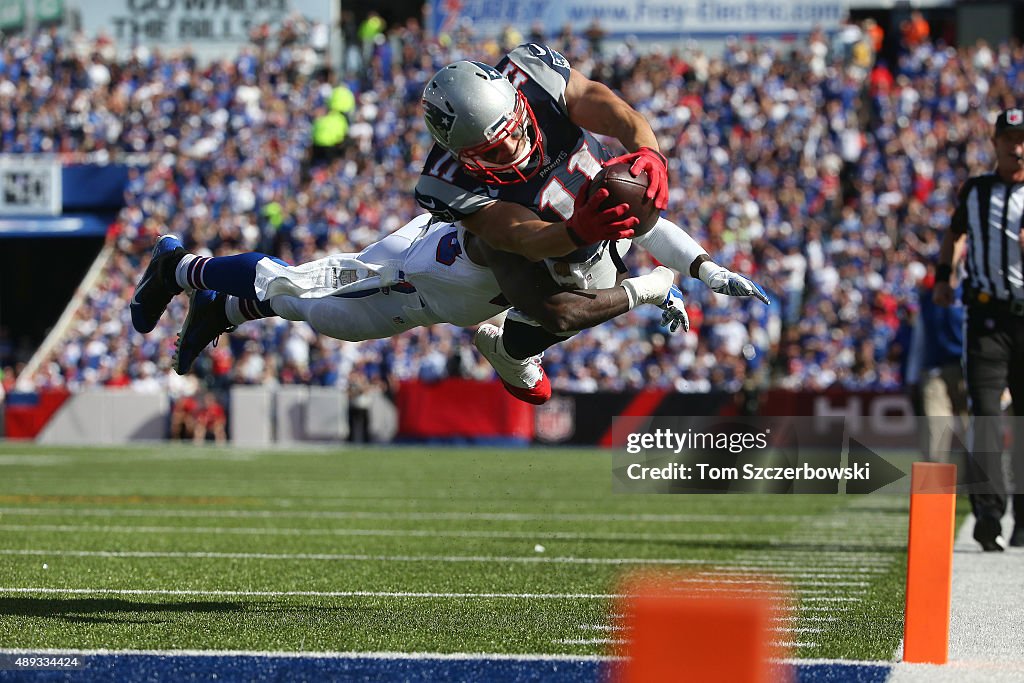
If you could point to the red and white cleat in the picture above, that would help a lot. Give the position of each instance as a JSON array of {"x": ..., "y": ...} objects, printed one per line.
[{"x": 524, "y": 379}]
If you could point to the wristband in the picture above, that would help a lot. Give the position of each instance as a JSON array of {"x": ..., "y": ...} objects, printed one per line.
[
  {"x": 630, "y": 293},
  {"x": 943, "y": 272}
]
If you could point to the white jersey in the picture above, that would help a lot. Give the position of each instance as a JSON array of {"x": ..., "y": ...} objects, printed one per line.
[
  {"x": 418, "y": 275},
  {"x": 451, "y": 285}
]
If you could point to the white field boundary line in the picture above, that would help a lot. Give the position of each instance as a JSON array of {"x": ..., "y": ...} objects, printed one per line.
[
  {"x": 368, "y": 514},
  {"x": 457, "y": 656},
  {"x": 204, "y": 555}
]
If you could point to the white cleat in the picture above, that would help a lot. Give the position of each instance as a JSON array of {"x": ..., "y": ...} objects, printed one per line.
[{"x": 524, "y": 379}]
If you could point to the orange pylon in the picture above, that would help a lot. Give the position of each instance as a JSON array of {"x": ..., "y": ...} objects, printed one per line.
[{"x": 929, "y": 563}]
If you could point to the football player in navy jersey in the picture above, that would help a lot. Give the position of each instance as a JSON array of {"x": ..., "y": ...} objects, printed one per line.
[{"x": 514, "y": 150}]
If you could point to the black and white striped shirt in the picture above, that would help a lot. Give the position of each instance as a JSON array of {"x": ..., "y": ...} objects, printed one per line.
[{"x": 991, "y": 213}]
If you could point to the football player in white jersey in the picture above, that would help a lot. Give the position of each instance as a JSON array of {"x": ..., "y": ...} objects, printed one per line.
[
  {"x": 427, "y": 272},
  {"x": 514, "y": 150}
]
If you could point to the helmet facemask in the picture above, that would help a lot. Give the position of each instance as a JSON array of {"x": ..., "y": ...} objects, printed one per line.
[{"x": 520, "y": 127}]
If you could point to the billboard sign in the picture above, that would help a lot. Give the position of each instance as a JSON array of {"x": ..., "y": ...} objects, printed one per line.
[
  {"x": 666, "y": 19},
  {"x": 212, "y": 28},
  {"x": 29, "y": 185},
  {"x": 12, "y": 15}
]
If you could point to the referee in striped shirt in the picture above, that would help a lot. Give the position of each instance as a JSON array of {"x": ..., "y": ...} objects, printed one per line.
[{"x": 990, "y": 217}]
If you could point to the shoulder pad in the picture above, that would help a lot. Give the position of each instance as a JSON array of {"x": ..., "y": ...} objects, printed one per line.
[{"x": 547, "y": 67}]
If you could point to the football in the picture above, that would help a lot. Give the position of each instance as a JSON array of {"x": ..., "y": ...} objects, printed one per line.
[{"x": 625, "y": 188}]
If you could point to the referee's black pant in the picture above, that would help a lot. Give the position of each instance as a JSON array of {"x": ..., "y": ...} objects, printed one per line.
[{"x": 994, "y": 349}]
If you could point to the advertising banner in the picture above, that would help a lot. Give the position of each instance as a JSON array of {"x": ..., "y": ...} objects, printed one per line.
[
  {"x": 462, "y": 410},
  {"x": 668, "y": 19},
  {"x": 213, "y": 28},
  {"x": 30, "y": 185}
]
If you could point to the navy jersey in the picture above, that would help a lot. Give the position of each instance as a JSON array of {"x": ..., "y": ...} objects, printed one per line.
[{"x": 571, "y": 154}]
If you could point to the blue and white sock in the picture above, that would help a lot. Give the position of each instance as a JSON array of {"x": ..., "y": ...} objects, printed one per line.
[
  {"x": 229, "y": 274},
  {"x": 242, "y": 310}
]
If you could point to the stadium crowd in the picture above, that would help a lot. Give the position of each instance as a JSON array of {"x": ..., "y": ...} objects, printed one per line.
[{"x": 814, "y": 166}]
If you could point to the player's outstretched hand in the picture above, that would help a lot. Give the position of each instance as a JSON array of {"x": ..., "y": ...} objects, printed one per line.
[
  {"x": 724, "y": 281},
  {"x": 590, "y": 223},
  {"x": 654, "y": 162},
  {"x": 673, "y": 314}
]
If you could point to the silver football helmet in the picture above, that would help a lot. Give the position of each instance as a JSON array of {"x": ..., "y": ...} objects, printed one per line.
[{"x": 484, "y": 121}]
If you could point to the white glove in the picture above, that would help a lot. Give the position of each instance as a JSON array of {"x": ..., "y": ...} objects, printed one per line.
[
  {"x": 724, "y": 281},
  {"x": 674, "y": 311},
  {"x": 652, "y": 288}
]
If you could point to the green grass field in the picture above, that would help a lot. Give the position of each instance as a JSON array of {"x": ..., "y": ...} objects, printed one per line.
[{"x": 177, "y": 547}]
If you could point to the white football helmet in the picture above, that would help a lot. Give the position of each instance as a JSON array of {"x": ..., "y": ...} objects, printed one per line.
[{"x": 484, "y": 121}]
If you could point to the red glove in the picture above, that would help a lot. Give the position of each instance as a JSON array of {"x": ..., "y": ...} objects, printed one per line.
[
  {"x": 590, "y": 223},
  {"x": 652, "y": 161}
]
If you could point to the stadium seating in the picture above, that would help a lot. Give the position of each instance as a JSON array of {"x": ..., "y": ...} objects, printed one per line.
[{"x": 793, "y": 162}]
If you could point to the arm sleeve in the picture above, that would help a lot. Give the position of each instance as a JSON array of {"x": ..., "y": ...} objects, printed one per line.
[
  {"x": 448, "y": 202},
  {"x": 958, "y": 223},
  {"x": 915, "y": 355},
  {"x": 671, "y": 245}
]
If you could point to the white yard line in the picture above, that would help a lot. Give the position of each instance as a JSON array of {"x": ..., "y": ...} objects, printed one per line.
[
  {"x": 815, "y": 572},
  {"x": 775, "y": 629},
  {"x": 601, "y": 627},
  {"x": 33, "y": 460},
  {"x": 791, "y": 644},
  {"x": 309, "y": 594},
  {"x": 397, "y": 594},
  {"x": 57, "y": 553},
  {"x": 393, "y": 533},
  {"x": 366, "y": 514}
]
